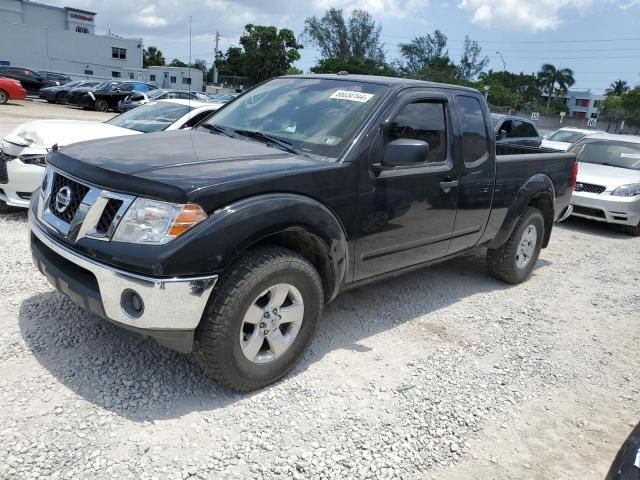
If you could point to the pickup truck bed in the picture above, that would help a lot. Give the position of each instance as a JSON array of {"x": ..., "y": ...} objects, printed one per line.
[{"x": 227, "y": 240}]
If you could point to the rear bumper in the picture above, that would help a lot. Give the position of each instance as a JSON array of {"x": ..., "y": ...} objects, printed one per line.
[
  {"x": 171, "y": 307},
  {"x": 607, "y": 208}
]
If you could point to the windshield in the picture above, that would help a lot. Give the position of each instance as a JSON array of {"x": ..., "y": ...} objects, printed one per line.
[
  {"x": 566, "y": 136},
  {"x": 314, "y": 116},
  {"x": 156, "y": 93},
  {"x": 106, "y": 85},
  {"x": 612, "y": 153},
  {"x": 152, "y": 117}
]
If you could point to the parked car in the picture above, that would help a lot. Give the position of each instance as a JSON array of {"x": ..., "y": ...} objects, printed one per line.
[
  {"x": 23, "y": 151},
  {"x": 626, "y": 465},
  {"x": 106, "y": 96},
  {"x": 263, "y": 201},
  {"x": 60, "y": 93},
  {"x": 76, "y": 94},
  {"x": 11, "y": 89},
  {"x": 31, "y": 81},
  {"x": 135, "y": 99},
  {"x": 563, "y": 138},
  {"x": 608, "y": 188},
  {"x": 53, "y": 78},
  {"x": 515, "y": 130},
  {"x": 223, "y": 97}
]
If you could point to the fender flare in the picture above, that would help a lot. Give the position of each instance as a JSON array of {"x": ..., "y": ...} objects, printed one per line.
[
  {"x": 254, "y": 219},
  {"x": 537, "y": 188}
]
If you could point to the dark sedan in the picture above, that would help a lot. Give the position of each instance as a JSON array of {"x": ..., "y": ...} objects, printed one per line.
[
  {"x": 60, "y": 93},
  {"x": 515, "y": 130},
  {"x": 140, "y": 98},
  {"x": 31, "y": 81},
  {"x": 107, "y": 95}
]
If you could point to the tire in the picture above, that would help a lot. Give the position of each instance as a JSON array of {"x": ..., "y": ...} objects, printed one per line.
[
  {"x": 101, "y": 105},
  {"x": 221, "y": 340},
  {"x": 4, "y": 97},
  {"x": 509, "y": 262},
  {"x": 4, "y": 208},
  {"x": 634, "y": 231}
]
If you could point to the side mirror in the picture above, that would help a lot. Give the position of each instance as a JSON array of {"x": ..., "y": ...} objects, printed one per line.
[{"x": 405, "y": 152}]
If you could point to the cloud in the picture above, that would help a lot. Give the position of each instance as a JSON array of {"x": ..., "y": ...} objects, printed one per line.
[{"x": 531, "y": 15}]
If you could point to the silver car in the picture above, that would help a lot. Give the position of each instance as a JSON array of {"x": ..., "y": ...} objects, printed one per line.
[{"x": 608, "y": 186}]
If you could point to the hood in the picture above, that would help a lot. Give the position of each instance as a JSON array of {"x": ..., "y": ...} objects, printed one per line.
[
  {"x": 610, "y": 177},
  {"x": 44, "y": 134},
  {"x": 187, "y": 161},
  {"x": 562, "y": 146}
]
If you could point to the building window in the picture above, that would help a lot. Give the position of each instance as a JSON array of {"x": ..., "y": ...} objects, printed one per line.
[
  {"x": 173, "y": 80},
  {"x": 186, "y": 81},
  {"x": 5, "y": 62},
  {"x": 119, "y": 53},
  {"x": 88, "y": 72},
  {"x": 82, "y": 30},
  {"x": 594, "y": 115},
  {"x": 596, "y": 103},
  {"x": 582, "y": 102},
  {"x": 152, "y": 78},
  {"x": 115, "y": 74},
  {"x": 132, "y": 76}
]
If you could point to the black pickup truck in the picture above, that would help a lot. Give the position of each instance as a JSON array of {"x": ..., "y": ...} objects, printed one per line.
[{"x": 228, "y": 239}]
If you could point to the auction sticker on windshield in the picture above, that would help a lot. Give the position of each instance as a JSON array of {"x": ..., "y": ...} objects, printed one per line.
[
  {"x": 351, "y": 96},
  {"x": 630, "y": 155}
]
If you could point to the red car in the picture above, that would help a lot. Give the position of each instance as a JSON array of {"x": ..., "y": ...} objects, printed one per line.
[{"x": 11, "y": 90}]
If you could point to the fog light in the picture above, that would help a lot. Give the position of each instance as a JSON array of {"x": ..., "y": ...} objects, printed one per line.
[{"x": 132, "y": 303}]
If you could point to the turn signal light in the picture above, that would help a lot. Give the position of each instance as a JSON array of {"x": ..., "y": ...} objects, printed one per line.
[{"x": 190, "y": 215}]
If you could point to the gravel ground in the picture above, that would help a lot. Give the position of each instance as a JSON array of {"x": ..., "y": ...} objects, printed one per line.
[{"x": 444, "y": 373}]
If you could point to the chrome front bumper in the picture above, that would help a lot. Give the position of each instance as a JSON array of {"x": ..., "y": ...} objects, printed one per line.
[{"x": 168, "y": 303}]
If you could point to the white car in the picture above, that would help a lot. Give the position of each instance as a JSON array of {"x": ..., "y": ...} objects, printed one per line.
[
  {"x": 563, "y": 138},
  {"x": 608, "y": 184},
  {"x": 23, "y": 151}
]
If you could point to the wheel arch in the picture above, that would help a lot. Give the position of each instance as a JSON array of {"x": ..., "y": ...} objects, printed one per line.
[{"x": 538, "y": 191}]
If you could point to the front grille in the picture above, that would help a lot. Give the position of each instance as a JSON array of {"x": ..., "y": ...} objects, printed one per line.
[
  {"x": 4, "y": 177},
  {"x": 108, "y": 215},
  {"x": 589, "y": 188},
  {"x": 591, "y": 212},
  {"x": 77, "y": 193}
]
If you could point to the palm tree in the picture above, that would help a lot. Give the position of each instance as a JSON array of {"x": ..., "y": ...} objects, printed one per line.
[
  {"x": 152, "y": 56},
  {"x": 617, "y": 88},
  {"x": 549, "y": 76}
]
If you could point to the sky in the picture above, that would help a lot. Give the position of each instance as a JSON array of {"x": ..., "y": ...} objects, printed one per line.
[{"x": 598, "y": 39}]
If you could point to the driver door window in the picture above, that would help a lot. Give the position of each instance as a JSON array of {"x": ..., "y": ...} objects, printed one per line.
[{"x": 422, "y": 120}]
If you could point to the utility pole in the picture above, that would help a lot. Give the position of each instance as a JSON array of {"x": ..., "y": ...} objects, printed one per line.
[
  {"x": 504, "y": 64},
  {"x": 215, "y": 69}
]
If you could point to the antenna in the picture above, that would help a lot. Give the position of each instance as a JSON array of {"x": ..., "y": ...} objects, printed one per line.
[{"x": 189, "y": 84}]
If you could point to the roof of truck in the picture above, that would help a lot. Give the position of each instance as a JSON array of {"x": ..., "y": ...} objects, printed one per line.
[{"x": 389, "y": 81}]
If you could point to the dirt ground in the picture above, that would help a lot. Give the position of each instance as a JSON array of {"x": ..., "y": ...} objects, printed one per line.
[{"x": 444, "y": 373}]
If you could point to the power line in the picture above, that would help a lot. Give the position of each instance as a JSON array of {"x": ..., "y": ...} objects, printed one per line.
[{"x": 529, "y": 41}]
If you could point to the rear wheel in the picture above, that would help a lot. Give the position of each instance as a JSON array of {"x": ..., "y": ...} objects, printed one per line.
[
  {"x": 634, "y": 231},
  {"x": 102, "y": 105},
  {"x": 260, "y": 319},
  {"x": 4, "y": 97},
  {"x": 514, "y": 261}
]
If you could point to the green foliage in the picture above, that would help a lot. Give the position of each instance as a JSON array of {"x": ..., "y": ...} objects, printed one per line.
[
  {"x": 622, "y": 107},
  {"x": 422, "y": 50},
  {"x": 177, "y": 63},
  {"x": 508, "y": 89},
  {"x": 438, "y": 69},
  {"x": 152, "y": 57},
  {"x": 549, "y": 76},
  {"x": 335, "y": 37},
  {"x": 268, "y": 52},
  {"x": 354, "y": 65},
  {"x": 471, "y": 63},
  {"x": 294, "y": 71},
  {"x": 617, "y": 88},
  {"x": 231, "y": 63}
]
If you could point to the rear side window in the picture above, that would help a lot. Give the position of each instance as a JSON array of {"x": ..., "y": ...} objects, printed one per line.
[
  {"x": 474, "y": 131},
  {"x": 422, "y": 120},
  {"x": 523, "y": 129}
]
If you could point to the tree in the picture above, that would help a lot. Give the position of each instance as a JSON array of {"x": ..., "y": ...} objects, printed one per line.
[
  {"x": 471, "y": 64},
  {"x": 151, "y": 56},
  {"x": 268, "y": 52},
  {"x": 359, "y": 66},
  {"x": 421, "y": 50},
  {"x": 200, "y": 64},
  {"x": 507, "y": 89},
  {"x": 549, "y": 76},
  {"x": 617, "y": 88},
  {"x": 358, "y": 37},
  {"x": 294, "y": 71},
  {"x": 439, "y": 69},
  {"x": 177, "y": 63},
  {"x": 230, "y": 63}
]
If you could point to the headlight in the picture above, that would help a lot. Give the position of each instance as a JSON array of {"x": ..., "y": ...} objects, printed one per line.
[
  {"x": 34, "y": 159},
  {"x": 630, "y": 190},
  {"x": 153, "y": 222}
]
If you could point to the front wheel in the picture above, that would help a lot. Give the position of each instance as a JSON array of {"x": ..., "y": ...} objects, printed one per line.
[
  {"x": 261, "y": 318},
  {"x": 514, "y": 261},
  {"x": 632, "y": 230},
  {"x": 4, "y": 97}
]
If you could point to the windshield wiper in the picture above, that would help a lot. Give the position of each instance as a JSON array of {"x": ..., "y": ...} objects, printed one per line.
[
  {"x": 213, "y": 128},
  {"x": 283, "y": 144}
]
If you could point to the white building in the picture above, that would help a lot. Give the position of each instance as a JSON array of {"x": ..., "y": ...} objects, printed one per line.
[{"x": 63, "y": 40}]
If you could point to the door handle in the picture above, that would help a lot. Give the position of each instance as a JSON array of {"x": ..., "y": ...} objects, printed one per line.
[{"x": 447, "y": 185}]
